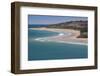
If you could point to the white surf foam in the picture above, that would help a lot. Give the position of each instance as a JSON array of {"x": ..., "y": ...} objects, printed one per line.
[{"x": 61, "y": 34}]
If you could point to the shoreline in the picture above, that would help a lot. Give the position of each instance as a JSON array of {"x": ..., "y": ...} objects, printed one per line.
[{"x": 65, "y": 36}]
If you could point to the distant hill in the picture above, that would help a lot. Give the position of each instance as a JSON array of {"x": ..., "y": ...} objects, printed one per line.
[
  {"x": 70, "y": 25},
  {"x": 82, "y": 26}
]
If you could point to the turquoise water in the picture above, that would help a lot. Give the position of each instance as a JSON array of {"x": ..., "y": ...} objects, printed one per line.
[{"x": 52, "y": 50}]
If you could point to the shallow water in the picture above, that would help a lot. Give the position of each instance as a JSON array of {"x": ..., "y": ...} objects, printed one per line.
[{"x": 52, "y": 50}]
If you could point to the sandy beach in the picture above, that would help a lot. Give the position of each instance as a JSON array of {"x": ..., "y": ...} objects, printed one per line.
[{"x": 64, "y": 36}]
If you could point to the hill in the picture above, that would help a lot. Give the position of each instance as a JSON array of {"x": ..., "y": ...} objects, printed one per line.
[{"x": 82, "y": 26}]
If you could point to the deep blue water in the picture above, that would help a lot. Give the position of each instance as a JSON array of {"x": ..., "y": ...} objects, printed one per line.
[{"x": 52, "y": 50}]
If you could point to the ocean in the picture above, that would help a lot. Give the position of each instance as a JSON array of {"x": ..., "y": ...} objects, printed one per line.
[{"x": 45, "y": 50}]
